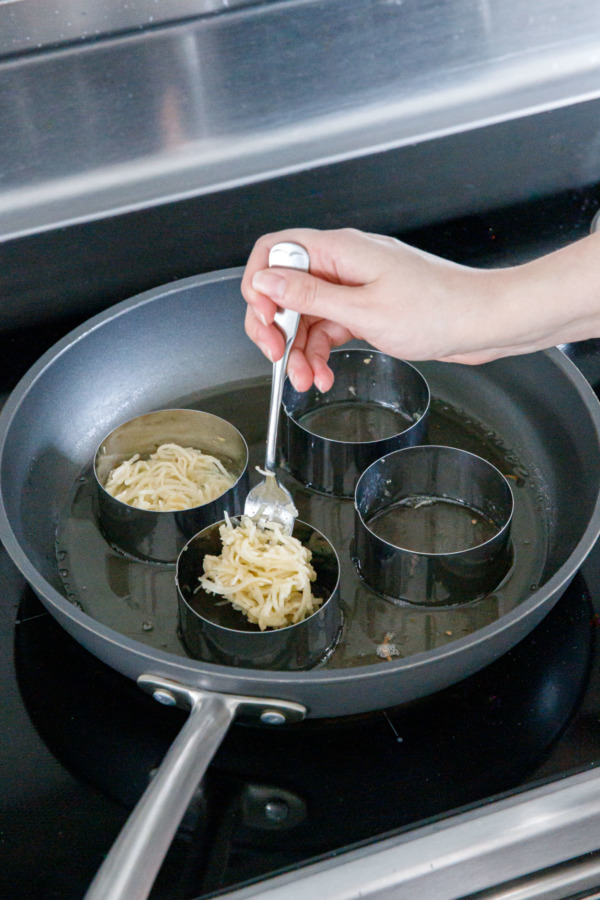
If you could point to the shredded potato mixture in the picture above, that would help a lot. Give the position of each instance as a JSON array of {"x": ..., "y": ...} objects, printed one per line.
[
  {"x": 170, "y": 479},
  {"x": 265, "y": 573}
]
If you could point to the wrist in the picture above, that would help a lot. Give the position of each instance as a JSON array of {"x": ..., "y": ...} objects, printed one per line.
[{"x": 556, "y": 299}]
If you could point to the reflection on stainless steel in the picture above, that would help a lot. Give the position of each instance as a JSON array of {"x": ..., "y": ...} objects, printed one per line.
[
  {"x": 467, "y": 853},
  {"x": 219, "y": 632},
  {"x": 32, "y": 24},
  {"x": 269, "y": 499},
  {"x": 217, "y": 101},
  {"x": 377, "y": 404},
  {"x": 159, "y": 535},
  {"x": 452, "y": 547}
]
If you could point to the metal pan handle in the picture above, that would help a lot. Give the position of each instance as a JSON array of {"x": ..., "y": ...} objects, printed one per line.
[{"x": 135, "y": 858}]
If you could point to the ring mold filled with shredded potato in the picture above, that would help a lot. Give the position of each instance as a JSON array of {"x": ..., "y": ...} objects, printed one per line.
[
  {"x": 264, "y": 573},
  {"x": 171, "y": 478}
]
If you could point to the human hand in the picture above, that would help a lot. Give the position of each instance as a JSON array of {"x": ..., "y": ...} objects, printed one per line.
[
  {"x": 416, "y": 306},
  {"x": 401, "y": 300}
]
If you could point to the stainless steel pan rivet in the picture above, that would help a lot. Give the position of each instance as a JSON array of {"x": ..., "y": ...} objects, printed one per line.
[
  {"x": 276, "y": 810},
  {"x": 165, "y": 697},
  {"x": 272, "y": 717}
]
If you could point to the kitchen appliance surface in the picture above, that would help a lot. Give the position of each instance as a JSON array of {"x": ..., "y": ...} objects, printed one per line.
[{"x": 255, "y": 813}]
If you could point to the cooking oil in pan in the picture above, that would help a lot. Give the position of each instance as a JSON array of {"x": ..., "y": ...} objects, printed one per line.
[
  {"x": 357, "y": 421},
  {"x": 139, "y": 600},
  {"x": 432, "y": 525}
]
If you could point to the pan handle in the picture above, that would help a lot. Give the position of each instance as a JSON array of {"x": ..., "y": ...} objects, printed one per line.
[{"x": 129, "y": 870}]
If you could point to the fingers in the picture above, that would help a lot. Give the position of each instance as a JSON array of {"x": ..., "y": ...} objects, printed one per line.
[
  {"x": 322, "y": 337},
  {"x": 271, "y": 342},
  {"x": 343, "y": 256},
  {"x": 267, "y": 338},
  {"x": 308, "y": 359},
  {"x": 259, "y": 259},
  {"x": 312, "y": 296},
  {"x": 322, "y": 375},
  {"x": 264, "y": 309},
  {"x": 346, "y": 286},
  {"x": 325, "y": 248},
  {"x": 299, "y": 371},
  {"x": 305, "y": 368},
  {"x": 328, "y": 292}
]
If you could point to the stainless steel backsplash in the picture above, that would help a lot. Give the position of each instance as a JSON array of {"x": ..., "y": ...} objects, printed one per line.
[{"x": 106, "y": 110}]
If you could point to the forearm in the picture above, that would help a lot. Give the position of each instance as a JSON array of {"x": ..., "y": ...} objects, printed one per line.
[
  {"x": 551, "y": 300},
  {"x": 416, "y": 306}
]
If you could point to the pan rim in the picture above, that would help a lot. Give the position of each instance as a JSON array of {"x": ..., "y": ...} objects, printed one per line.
[{"x": 267, "y": 681}]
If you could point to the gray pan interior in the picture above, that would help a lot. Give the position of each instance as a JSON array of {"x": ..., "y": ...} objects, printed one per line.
[{"x": 169, "y": 344}]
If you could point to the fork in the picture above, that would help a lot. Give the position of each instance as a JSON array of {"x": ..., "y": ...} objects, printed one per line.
[{"x": 269, "y": 500}]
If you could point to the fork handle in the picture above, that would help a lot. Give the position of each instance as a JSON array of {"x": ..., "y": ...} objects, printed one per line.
[{"x": 289, "y": 256}]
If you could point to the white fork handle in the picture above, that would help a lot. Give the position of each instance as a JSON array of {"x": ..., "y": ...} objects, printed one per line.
[
  {"x": 287, "y": 320},
  {"x": 287, "y": 255}
]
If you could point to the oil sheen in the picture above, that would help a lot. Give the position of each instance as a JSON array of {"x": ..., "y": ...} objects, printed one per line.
[
  {"x": 357, "y": 421},
  {"x": 139, "y": 600},
  {"x": 432, "y": 525}
]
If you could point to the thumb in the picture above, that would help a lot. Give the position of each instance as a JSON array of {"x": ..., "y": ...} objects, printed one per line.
[{"x": 309, "y": 295}]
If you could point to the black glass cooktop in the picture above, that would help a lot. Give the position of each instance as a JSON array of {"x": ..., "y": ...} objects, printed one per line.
[{"x": 80, "y": 742}]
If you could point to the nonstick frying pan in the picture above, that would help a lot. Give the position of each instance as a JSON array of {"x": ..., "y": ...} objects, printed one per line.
[{"x": 172, "y": 345}]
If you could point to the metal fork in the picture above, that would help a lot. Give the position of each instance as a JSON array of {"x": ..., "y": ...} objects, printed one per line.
[{"x": 269, "y": 500}]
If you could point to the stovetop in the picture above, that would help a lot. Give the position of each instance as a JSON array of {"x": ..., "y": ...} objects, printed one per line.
[{"x": 80, "y": 741}]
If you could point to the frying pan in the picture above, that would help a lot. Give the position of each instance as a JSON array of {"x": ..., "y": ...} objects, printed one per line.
[{"x": 167, "y": 347}]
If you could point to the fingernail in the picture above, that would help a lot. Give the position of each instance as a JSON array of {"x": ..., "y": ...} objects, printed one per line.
[
  {"x": 262, "y": 319},
  {"x": 292, "y": 376},
  {"x": 266, "y": 351},
  {"x": 269, "y": 283}
]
